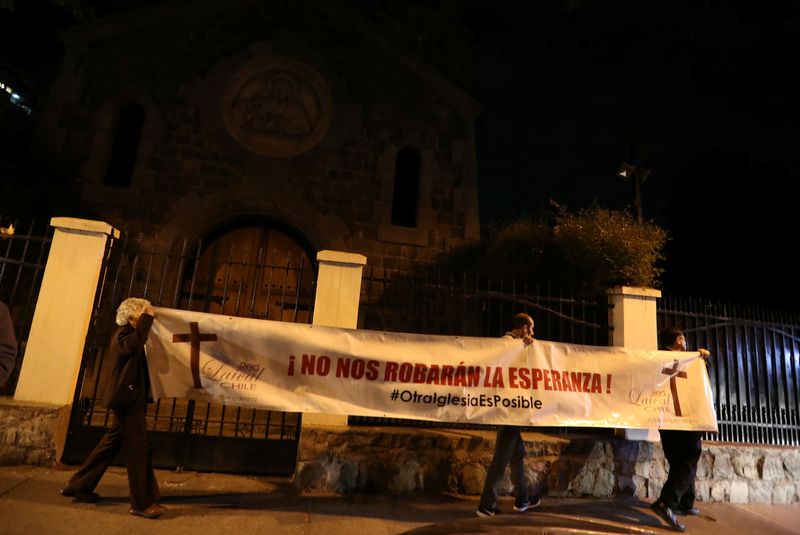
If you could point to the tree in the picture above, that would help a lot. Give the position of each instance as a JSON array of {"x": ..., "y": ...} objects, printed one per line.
[
  {"x": 606, "y": 248},
  {"x": 589, "y": 251}
]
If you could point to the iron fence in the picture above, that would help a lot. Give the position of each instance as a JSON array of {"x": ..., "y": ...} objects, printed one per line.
[
  {"x": 755, "y": 372},
  {"x": 189, "y": 275},
  {"x": 436, "y": 303},
  {"x": 754, "y": 368},
  {"x": 23, "y": 256}
]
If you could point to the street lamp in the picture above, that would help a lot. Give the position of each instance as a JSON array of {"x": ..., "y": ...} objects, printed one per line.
[{"x": 638, "y": 174}]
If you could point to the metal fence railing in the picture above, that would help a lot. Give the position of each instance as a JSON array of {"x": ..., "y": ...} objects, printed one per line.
[
  {"x": 23, "y": 256},
  {"x": 755, "y": 371},
  {"x": 435, "y": 303},
  {"x": 755, "y": 365},
  {"x": 754, "y": 368},
  {"x": 185, "y": 275},
  {"x": 188, "y": 275}
]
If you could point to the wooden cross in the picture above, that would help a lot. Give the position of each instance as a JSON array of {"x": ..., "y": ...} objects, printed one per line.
[
  {"x": 673, "y": 385},
  {"x": 194, "y": 338}
]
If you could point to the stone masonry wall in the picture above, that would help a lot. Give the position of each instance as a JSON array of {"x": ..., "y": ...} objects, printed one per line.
[
  {"x": 411, "y": 460},
  {"x": 192, "y": 177},
  {"x": 27, "y": 433},
  {"x": 405, "y": 460}
]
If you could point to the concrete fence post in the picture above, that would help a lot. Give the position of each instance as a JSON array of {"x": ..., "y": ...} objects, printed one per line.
[
  {"x": 336, "y": 305},
  {"x": 49, "y": 372},
  {"x": 633, "y": 318}
]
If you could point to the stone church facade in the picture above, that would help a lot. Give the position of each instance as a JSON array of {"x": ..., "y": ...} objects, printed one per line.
[{"x": 306, "y": 120}]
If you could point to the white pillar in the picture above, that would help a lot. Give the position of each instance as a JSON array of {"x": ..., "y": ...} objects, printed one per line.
[
  {"x": 633, "y": 318},
  {"x": 336, "y": 305},
  {"x": 338, "y": 289},
  {"x": 54, "y": 351}
]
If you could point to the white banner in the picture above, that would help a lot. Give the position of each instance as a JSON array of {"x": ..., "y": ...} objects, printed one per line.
[{"x": 302, "y": 368}]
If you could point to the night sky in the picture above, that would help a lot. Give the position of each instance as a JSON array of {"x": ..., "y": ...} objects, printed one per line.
[{"x": 704, "y": 93}]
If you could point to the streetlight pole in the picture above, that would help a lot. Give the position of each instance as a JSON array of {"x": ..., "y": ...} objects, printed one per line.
[{"x": 638, "y": 174}]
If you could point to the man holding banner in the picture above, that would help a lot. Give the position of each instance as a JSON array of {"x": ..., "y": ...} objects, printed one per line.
[
  {"x": 127, "y": 389},
  {"x": 509, "y": 448},
  {"x": 682, "y": 450}
]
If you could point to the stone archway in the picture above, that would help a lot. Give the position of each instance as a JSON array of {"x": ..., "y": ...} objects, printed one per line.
[{"x": 203, "y": 216}]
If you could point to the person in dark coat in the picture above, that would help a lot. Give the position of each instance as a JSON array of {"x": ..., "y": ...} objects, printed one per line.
[
  {"x": 509, "y": 448},
  {"x": 125, "y": 391},
  {"x": 682, "y": 450},
  {"x": 8, "y": 344}
]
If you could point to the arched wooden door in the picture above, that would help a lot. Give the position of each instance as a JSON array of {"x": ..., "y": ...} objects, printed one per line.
[{"x": 255, "y": 272}]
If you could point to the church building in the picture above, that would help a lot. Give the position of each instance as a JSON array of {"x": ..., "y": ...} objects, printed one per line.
[{"x": 290, "y": 126}]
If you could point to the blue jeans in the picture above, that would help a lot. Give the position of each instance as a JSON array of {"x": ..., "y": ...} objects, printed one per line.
[{"x": 509, "y": 451}]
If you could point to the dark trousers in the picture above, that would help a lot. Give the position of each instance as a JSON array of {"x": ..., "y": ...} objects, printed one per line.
[
  {"x": 682, "y": 450},
  {"x": 509, "y": 450},
  {"x": 128, "y": 433}
]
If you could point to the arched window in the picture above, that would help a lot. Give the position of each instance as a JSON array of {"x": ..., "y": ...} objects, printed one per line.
[
  {"x": 126, "y": 144},
  {"x": 406, "y": 188}
]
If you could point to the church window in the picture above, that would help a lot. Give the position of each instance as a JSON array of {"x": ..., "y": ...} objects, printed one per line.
[
  {"x": 125, "y": 146},
  {"x": 406, "y": 187}
]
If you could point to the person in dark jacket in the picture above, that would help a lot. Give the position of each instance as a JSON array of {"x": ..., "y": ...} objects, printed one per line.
[
  {"x": 682, "y": 450},
  {"x": 8, "y": 344},
  {"x": 125, "y": 392},
  {"x": 509, "y": 448}
]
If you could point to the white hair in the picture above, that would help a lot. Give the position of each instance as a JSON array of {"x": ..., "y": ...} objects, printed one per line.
[{"x": 131, "y": 308}]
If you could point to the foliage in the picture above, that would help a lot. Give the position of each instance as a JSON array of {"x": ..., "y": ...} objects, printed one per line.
[
  {"x": 589, "y": 251},
  {"x": 608, "y": 248},
  {"x": 523, "y": 247}
]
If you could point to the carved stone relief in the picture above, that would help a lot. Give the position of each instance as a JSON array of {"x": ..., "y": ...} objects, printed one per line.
[{"x": 277, "y": 107}]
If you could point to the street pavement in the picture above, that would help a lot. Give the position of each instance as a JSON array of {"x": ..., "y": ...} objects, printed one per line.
[{"x": 214, "y": 504}]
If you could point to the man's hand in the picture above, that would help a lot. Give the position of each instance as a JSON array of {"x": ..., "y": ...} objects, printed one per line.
[
  {"x": 704, "y": 353},
  {"x": 527, "y": 339},
  {"x": 149, "y": 310}
]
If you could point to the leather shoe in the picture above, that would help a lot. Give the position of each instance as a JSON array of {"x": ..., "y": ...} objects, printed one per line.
[
  {"x": 666, "y": 513},
  {"x": 154, "y": 511},
  {"x": 693, "y": 511},
  {"x": 80, "y": 496}
]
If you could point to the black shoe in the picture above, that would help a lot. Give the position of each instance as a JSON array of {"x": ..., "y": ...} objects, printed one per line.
[
  {"x": 530, "y": 503},
  {"x": 692, "y": 511},
  {"x": 666, "y": 513},
  {"x": 80, "y": 496},
  {"x": 487, "y": 511}
]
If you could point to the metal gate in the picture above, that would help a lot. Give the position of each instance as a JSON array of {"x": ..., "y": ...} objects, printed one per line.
[
  {"x": 754, "y": 367},
  {"x": 254, "y": 272}
]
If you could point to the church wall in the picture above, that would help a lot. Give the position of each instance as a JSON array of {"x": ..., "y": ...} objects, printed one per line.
[{"x": 192, "y": 175}]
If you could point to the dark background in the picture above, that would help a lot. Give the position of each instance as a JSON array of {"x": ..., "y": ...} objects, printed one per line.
[{"x": 703, "y": 93}]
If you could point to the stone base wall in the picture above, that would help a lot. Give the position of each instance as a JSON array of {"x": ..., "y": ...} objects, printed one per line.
[
  {"x": 402, "y": 460},
  {"x": 407, "y": 460},
  {"x": 28, "y": 432}
]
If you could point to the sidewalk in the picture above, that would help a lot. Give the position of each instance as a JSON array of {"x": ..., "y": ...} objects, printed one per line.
[{"x": 211, "y": 504}]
